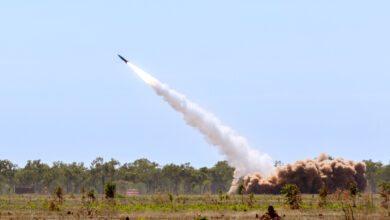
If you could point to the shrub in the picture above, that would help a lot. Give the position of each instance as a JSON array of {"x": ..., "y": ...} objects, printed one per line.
[
  {"x": 250, "y": 200},
  {"x": 59, "y": 194},
  {"x": 91, "y": 195},
  {"x": 82, "y": 194},
  {"x": 384, "y": 192},
  {"x": 220, "y": 195},
  {"x": 110, "y": 190},
  {"x": 170, "y": 197},
  {"x": 323, "y": 193},
  {"x": 292, "y": 195},
  {"x": 241, "y": 189},
  {"x": 53, "y": 206},
  {"x": 353, "y": 191},
  {"x": 120, "y": 196}
]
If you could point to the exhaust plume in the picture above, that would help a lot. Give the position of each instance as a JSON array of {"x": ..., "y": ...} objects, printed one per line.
[
  {"x": 235, "y": 148},
  {"x": 309, "y": 175}
]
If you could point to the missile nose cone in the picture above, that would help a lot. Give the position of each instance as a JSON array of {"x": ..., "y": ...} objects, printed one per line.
[{"x": 122, "y": 58}]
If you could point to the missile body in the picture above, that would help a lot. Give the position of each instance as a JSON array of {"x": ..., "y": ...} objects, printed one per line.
[{"x": 122, "y": 58}]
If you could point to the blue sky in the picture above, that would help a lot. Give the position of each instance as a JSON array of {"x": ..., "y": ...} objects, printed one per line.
[{"x": 296, "y": 78}]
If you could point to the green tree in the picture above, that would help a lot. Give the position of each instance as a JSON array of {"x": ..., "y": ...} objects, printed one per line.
[
  {"x": 188, "y": 177},
  {"x": 142, "y": 174},
  {"x": 7, "y": 173},
  {"x": 148, "y": 173},
  {"x": 74, "y": 174},
  {"x": 203, "y": 179},
  {"x": 221, "y": 177},
  {"x": 384, "y": 173},
  {"x": 373, "y": 174},
  {"x": 101, "y": 171},
  {"x": 171, "y": 177},
  {"x": 97, "y": 178},
  {"x": 35, "y": 174}
]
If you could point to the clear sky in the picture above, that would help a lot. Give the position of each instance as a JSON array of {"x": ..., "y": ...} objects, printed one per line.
[{"x": 296, "y": 78}]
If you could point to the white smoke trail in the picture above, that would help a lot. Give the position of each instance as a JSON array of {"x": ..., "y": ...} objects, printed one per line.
[{"x": 238, "y": 152}]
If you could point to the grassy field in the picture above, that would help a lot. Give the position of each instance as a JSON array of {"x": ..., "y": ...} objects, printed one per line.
[{"x": 164, "y": 206}]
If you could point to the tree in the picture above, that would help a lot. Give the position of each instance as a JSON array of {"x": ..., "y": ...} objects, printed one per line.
[
  {"x": 101, "y": 171},
  {"x": 221, "y": 176},
  {"x": 203, "y": 179},
  {"x": 74, "y": 174},
  {"x": 97, "y": 177},
  {"x": 188, "y": 177},
  {"x": 171, "y": 176},
  {"x": 147, "y": 173},
  {"x": 35, "y": 174},
  {"x": 373, "y": 173},
  {"x": 7, "y": 173},
  {"x": 384, "y": 173},
  {"x": 278, "y": 163},
  {"x": 109, "y": 169}
]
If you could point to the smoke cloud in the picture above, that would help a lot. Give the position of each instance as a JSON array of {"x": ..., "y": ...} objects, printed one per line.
[
  {"x": 309, "y": 175},
  {"x": 235, "y": 148}
]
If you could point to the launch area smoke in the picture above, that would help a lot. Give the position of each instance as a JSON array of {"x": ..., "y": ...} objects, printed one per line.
[
  {"x": 309, "y": 175},
  {"x": 235, "y": 148}
]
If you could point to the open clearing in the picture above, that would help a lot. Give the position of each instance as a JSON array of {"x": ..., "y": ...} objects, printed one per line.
[{"x": 163, "y": 206}]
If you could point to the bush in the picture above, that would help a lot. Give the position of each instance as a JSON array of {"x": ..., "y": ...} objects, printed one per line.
[
  {"x": 110, "y": 190},
  {"x": 323, "y": 193},
  {"x": 384, "y": 192},
  {"x": 82, "y": 194},
  {"x": 353, "y": 191},
  {"x": 292, "y": 195},
  {"x": 59, "y": 194},
  {"x": 241, "y": 189},
  {"x": 120, "y": 196},
  {"x": 170, "y": 197},
  {"x": 91, "y": 195},
  {"x": 53, "y": 206}
]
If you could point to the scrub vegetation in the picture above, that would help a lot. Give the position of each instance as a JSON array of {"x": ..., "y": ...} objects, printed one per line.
[
  {"x": 183, "y": 206},
  {"x": 72, "y": 191}
]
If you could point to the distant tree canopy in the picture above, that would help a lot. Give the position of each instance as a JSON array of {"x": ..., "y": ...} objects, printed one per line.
[
  {"x": 142, "y": 174},
  {"x": 375, "y": 173}
]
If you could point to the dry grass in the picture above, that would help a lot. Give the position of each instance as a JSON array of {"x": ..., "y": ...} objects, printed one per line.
[{"x": 188, "y": 207}]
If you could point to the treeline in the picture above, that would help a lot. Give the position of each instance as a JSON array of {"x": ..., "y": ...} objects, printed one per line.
[
  {"x": 142, "y": 174},
  {"x": 375, "y": 173}
]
